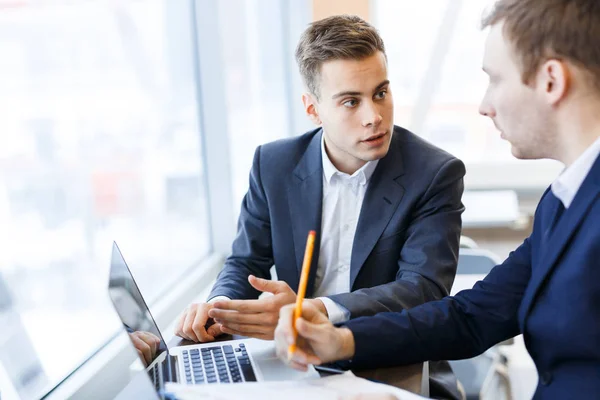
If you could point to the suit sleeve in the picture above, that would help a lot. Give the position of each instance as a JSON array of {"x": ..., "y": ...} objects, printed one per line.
[
  {"x": 428, "y": 259},
  {"x": 251, "y": 251},
  {"x": 456, "y": 327}
]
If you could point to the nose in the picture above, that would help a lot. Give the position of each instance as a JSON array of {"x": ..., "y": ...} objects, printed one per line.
[
  {"x": 486, "y": 109},
  {"x": 372, "y": 116}
]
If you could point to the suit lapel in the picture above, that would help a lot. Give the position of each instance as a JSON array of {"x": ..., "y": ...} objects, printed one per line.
[
  {"x": 382, "y": 198},
  {"x": 553, "y": 245},
  {"x": 305, "y": 199}
]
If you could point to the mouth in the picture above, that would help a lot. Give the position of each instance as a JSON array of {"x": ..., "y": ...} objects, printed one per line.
[{"x": 375, "y": 138}]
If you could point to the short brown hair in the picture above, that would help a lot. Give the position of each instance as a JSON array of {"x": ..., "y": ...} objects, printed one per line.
[
  {"x": 339, "y": 37},
  {"x": 563, "y": 29}
]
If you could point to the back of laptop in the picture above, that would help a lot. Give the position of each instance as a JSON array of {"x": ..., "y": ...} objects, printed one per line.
[
  {"x": 140, "y": 387},
  {"x": 130, "y": 304}
]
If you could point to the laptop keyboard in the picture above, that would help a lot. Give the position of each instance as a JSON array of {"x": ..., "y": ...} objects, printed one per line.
[
  {"x": 218, "y": 364},
  {"x": 155, "y": 376}
]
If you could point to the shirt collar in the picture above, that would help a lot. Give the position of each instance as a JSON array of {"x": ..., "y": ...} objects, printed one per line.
[
  {"x": 329, "y": 170},
  {"x": 567, "y": 184}
]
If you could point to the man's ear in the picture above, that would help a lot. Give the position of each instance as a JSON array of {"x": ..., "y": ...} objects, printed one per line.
[
  {"x": 554, "y": 79},
  {"x": 310, "y": 107}
]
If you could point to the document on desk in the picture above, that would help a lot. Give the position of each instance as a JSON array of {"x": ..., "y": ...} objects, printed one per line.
[{"x": 346, "y": 386}]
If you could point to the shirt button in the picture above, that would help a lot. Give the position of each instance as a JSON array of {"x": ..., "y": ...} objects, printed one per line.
[
  {"x": 545, "y": 378},
  {"x": 346, "y": 227}
]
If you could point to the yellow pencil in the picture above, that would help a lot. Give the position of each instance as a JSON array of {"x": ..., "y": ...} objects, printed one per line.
[{"x": 310, "y": 244}]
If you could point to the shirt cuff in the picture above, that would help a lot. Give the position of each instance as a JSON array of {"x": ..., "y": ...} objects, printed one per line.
[
  {"x": 217, "y": 298},
  {"x": 336, "y": 312}
]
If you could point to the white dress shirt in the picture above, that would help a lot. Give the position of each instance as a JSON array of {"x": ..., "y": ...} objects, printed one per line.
[
  {"x": 566, "y": 186},
  {"x": 343, "y": 196}
]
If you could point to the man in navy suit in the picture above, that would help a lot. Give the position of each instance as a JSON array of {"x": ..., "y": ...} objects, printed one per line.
[
  {"x": 385, "y": 204},
  {"x": 543, "y": 61}
]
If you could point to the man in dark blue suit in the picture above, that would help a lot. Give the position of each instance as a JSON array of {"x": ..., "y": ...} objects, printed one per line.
[
  {"x": 543, "y": 61},
  {"x": 386, "y": 205}
]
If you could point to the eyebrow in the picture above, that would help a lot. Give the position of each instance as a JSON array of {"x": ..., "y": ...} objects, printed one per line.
[{"x": 354, "y": 93}]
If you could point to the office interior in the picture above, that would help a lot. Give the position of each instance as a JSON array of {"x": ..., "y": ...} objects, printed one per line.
[{"x": 136, "y": 121}]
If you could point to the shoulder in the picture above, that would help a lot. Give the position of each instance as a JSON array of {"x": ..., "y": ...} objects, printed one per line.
[
  {"x": 420, "y": 155},
  {"x": 286, "y": 152},
  {"x": 409, "y": 143}
]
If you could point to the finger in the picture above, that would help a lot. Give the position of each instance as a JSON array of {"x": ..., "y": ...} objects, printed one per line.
[
  {"x": 267, "y": 285},
  {"x": 244, "y": 306},
  {"x": 141, "y": 356},
  {"x": 143, "y": 347},
  {"x": 247, "y": 329},
  {"x": 298, "y": 366},
  {"x": 150, "y": 340},
  {"x": 199, "y": 327},
  {"x": 252, "y": 335},
  {"x": 182, "y": 334},
  {"x": 214, "y": 330},
  {"x": 312, "y": 332},
  {"x": 311, "y": 313},
  {"x": 285, "y": 323},
  {"x": 268, "y": 319},
  {"x": 156, "y": 341},
  {"x": 302, "y": 356},
  {"x": 188, "y": 324},
  {"x": 281, "y": 348},
  {"x": 180, "y": 322}
]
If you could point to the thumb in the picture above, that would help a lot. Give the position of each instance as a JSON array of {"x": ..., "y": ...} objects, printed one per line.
[{"x": 265, "y": 285}]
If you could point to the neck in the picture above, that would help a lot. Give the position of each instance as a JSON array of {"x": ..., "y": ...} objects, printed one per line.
[
  {"x": 576, "y": 148},
  {"x": 577, "y": 133},
  {"x": 343, "y": 161}
]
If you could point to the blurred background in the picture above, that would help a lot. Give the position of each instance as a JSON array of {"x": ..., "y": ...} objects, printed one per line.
[{"x": 137, "y": 120}]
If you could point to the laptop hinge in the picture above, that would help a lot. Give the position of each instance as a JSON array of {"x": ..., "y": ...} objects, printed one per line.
[{"x": 173, "y": 369}]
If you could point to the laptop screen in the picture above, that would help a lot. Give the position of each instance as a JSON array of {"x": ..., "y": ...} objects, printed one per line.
[{"x": 130, "y": 304}]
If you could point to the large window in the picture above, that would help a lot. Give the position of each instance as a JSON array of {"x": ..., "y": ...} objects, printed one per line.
[
  {"x": 262, "y": 85},
  {"x": 435, "y": 51},
  {"x": 99, "y": 141}
]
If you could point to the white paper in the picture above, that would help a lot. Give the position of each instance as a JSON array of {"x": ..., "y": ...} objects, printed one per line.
[{"x": 343, "y": 387}]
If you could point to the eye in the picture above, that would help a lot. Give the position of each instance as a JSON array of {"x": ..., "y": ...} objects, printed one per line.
[
  {"x": 351, "y": 103},
  {"x": 381, "y": 94}
]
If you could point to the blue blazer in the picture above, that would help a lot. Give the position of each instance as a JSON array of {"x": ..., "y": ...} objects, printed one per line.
[
  {"x": 406, "y": 243},
  {"x": 548, "y": 289}
]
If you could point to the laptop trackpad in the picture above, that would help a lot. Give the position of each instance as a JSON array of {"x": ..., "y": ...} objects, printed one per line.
[{"x": 273, "y": 369}]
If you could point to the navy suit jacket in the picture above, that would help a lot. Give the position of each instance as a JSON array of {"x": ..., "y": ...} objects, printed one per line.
[
  {"x": 548, "y": 289},
  {"x": 406, "y": 243}
]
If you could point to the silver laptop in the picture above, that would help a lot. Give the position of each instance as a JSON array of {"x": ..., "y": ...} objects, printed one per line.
[{"x": 223, "y": 362}]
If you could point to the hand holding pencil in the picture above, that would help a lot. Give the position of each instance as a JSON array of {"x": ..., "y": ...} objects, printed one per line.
[
  {"x": 310, "y": 244},
  {"x": 304, "y": 335}
]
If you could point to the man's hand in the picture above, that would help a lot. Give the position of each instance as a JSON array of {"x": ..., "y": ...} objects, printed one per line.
[
  {"x": 146, "y": 345},
  {"x": 195, "y": 325},
  {"x": 318, "y": 340},
  {"x": 254, "y": 318}
]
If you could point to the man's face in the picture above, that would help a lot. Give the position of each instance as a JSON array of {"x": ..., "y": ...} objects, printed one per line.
[
  {"x": 355, "y": 109},
  {"x": 520, "y": 112}
]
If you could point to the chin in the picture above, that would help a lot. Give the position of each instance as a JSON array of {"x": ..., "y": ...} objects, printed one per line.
[
  {"x": 379, "y": 153},
  {"x": 516, "y": 152},
  {"x": 522, "y": 154}
]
